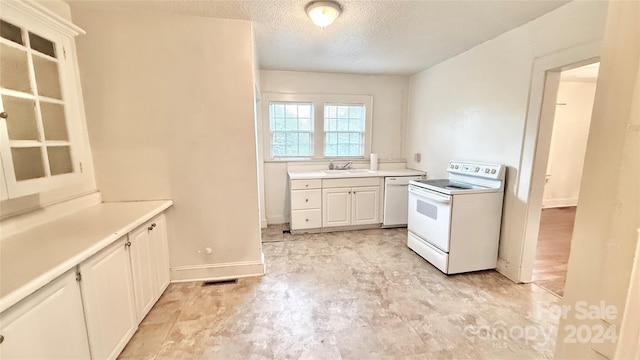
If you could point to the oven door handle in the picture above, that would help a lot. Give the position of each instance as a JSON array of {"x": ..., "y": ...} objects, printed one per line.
[{"x": 430, "y": 195}]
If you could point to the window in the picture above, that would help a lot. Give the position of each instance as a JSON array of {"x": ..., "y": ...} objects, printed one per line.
[
  {"x": 291, "y": 129},
  {"x": 344, "y": 130},
  {"x": 38, "y": 101},
  {"x": 317, "y": 126}
]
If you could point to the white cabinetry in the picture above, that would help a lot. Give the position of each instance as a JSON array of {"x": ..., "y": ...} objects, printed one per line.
[
  {"x": 149, "y": 263},
  {"x": 160, "y": 250},
  {"x": 42, "y": 141},
  {"x": 306, "y": 204},
  {"x": 337, "y": 207},
  {"x": 88, "y": 308},
  {"x": 142, "y": 266},
  {"x": 49, "y": 324},
  {"x": 351, "y": 206},
  {"x": 109, "y": 305},
  {"x": 336, "y": 202},
  {"x": 365, "y": 205}
]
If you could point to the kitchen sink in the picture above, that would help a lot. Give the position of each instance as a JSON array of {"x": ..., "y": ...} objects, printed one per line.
[{"x": 358, "y": 171}]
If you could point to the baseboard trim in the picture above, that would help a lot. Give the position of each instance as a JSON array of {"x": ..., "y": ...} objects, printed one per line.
[
  {"x": 263, "y": 223},
  {"x": 555, "y": 203},
  {"x": 224, "y": 271},
  {"x": 505, "y": 268},
  {"x": 277, "y": 219}
]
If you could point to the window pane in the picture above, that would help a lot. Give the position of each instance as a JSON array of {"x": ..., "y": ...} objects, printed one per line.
[
  {"x": 278, "y": 110},
  {"x": 27, "y": 163},
  {"x": 305, "y": 124},
  {"x": 345, "y": 128},
  {"x": 14, "y": 69},
  {"x": 292, "y": 128},
  {"x": 21, "y": 119},
  {"x": 303, "y": 139},
  {"x": 279, "y": 138},
  {"x": 55, "y": 125},
  {"x": 331, "y": 150},
  {"x": 47, "y": 78},
  {"x": 343, "y": 124},
  {"x": 11, "y": 32},
  {"x": 291, "y": 124},
  {"x": 60, "y": 160},
  {"x": 42, "y": 45}
]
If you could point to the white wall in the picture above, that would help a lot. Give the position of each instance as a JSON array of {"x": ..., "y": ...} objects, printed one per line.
[
  {"x": 568, "y": 143},
  {"x": 169, "y": 102},
  {"x": 389, "y": 120},
  {"x": 474, "y": 105},
  {"x": 605, "y": 235}
]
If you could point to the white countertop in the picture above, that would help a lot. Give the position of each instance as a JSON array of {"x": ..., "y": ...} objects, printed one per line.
[
  {"x": 352, "y": 173},
  {"x": 31, "y": 259}
]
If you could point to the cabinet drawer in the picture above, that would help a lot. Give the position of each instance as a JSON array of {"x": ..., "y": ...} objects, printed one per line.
[
  {"x": 306, "y": 184},
  {"x": 306, "y": 219},
  {"x": 306, "y": 199}
]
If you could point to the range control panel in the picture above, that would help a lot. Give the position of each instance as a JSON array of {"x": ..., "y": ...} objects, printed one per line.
[{"x": 489, "y": 171}]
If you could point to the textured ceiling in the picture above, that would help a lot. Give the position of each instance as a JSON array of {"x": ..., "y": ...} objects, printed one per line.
[{"x": 372, "y": 37}]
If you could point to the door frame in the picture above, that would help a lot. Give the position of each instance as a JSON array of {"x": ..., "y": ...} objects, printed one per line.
[{"x": 545, "y": 80}]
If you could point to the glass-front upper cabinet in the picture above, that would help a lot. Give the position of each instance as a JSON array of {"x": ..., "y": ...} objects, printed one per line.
[{"x": 40, "y": 108}]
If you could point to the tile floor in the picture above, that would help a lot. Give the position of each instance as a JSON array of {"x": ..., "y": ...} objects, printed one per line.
[{"x": 349, "y": 295}]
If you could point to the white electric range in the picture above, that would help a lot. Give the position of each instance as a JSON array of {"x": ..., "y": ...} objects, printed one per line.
[{"x": 454, "y": 223}]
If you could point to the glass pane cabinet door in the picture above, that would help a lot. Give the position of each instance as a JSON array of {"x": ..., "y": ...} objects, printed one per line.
[{"x": 36, "y": 148}]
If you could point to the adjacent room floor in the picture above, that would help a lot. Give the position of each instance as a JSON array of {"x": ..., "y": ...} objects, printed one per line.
[
  {"x": 554, "y": 246},
  {"x": 350, "y": 295}
]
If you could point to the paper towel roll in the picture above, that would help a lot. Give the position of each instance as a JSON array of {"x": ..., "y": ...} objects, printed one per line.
[{"x": 374, "y": 162}]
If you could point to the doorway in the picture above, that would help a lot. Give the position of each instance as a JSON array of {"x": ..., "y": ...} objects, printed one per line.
[{"x": 571, "y": 120}]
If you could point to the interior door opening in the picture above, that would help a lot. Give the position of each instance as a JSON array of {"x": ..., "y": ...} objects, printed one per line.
[{"x": 571, "y": 121}]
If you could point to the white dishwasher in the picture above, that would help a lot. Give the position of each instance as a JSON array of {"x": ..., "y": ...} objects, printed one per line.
[{"x": 396, "y": 200}]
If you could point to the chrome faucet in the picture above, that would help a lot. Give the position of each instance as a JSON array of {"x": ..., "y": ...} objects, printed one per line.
[{"x": 346, "y": 166}]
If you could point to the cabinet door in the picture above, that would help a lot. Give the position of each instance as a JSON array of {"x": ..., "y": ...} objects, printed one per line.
[
  {"x": 48, "y": 324},
  {"x": 109, "y": 305},
  {"x": 365, "y": 208},
  {"x": 41, "y": 127},
  {"x": 336, "y": 207},
  {"x": 143, "y": 268},
  {"x": 160, "y": 254}
]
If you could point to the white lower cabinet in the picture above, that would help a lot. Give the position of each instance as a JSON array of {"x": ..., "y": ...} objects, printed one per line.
[
  {"x": 306, "y": 204},
  {"x": 92, "y": 310},
  {"x": 351, "y": 206},
  {"x": 160, "y": 250},
  {"x": 107, "y": 292},
  {"x": 149, "y": 264},
  {"x": 49, "y": 324},
  {"x": 337, "y": 207},
  {"x": 365, "y": 205},
  {"x": 142, "y": 266}
]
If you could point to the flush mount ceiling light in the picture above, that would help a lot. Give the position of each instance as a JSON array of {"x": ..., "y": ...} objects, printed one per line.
[{"x": 323, "y": 13}]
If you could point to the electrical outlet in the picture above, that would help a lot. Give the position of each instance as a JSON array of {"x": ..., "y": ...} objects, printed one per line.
[{"x": 417, "y": 157}]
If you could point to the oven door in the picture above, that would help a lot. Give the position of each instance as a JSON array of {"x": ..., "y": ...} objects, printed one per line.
[{"x": 430, "y": 216}]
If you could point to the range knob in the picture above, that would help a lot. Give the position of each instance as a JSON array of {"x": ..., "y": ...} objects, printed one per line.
[
  {"x": 486, "y": 171},
  {"x": 493, "y": 171},
  {"x": 477, "y": 169},
  {"x": 456, "y": 167},
  {"x": 451, "y": 166}
]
